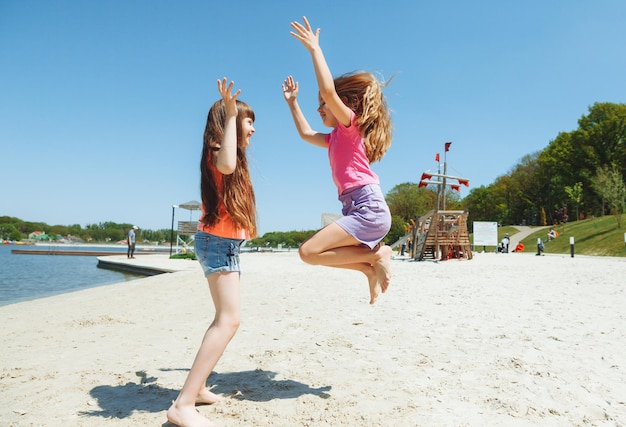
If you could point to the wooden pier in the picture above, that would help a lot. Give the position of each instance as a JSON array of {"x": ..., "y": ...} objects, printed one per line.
[{"x": 64, "y": 252}]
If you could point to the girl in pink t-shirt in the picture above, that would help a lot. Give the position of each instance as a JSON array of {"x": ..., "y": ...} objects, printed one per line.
[{"x": 354, "y": 106}]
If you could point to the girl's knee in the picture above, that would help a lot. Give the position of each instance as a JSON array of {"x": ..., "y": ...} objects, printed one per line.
[
  {"x": 306, "y": 254},
  {"x": 230, "y": 328},
  {"x": 229, "y": 324},
  {"x": 234, "y": 322},
  {"x": 234, "y": 328}
]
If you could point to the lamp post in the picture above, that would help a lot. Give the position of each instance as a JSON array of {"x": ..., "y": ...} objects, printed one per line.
[{"x": 172, "y": 230}]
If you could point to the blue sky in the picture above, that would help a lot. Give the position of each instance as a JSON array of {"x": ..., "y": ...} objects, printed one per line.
[{"x": 103, "y": 104}]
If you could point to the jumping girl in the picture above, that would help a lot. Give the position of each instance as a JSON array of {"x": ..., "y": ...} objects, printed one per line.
[{"x": 354, "y": 106}]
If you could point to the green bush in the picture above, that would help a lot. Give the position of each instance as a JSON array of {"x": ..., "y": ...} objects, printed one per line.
[{"x": 188, "y": 255}]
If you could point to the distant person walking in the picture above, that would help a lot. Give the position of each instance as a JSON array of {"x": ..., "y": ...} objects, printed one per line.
[
  {"x": 130, "y": 239},
  {"x": 352, "y": 105},
  {"x": 228, "y": 218}
]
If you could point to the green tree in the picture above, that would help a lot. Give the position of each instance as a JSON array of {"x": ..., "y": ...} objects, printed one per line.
[
  {"x": 481, "y": 205},
  {"x": 408, "y": 201},
  {"x": 8, "y": 231},
  {"x": 575, "y": 194},
  {"x": 604, "y": 130},
  {"x": 523, "y": 192},
  {"x": 288, "y": 239},
  {"x": 555, "y": 171},
  {"x": 398, "y": 229},
  {"x": 453, "y": 201},
  {"x": 609, "y": 184}
]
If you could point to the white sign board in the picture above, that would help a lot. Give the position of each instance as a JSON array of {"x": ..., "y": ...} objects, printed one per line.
[
  {"x": 187, "y": 228},
  {"x": 485, "y": 233}
]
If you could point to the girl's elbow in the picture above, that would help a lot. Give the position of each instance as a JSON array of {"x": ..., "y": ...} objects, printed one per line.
[
  {"x": 226, "y": 169},
  {"x": 326, "y": 92}
]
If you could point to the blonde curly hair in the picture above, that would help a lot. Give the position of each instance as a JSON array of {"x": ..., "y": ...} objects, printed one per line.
[{"x": 362, "y": 92}]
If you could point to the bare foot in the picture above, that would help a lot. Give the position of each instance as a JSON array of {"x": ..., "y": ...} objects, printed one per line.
[
  {"x": 375, "y": 289},
  {"x": 187, "y": 416},
  {"x": 206, "y": 397},
  {"x": 383, "y": 266}
]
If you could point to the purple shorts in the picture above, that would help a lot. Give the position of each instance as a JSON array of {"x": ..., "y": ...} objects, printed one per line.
[{"x": 366, "y": 214}]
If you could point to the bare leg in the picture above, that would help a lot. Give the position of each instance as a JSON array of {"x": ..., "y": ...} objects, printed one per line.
[
  {"x": 334, "y": 247},
  {"x": 372, "y": 278},
  {"x": 225, "y": 293},
  {"x": 383, "y": 266}
]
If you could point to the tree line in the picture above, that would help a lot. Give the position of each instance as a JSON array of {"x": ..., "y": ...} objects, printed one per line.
[
  {"x": 580, "y": 174},
  {"x": 15, "y": 229}
]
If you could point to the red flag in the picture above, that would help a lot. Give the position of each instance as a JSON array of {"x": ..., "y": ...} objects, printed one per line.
[
  {"x": 448, "y": 146},
  {"x": 437, "y": 157}
]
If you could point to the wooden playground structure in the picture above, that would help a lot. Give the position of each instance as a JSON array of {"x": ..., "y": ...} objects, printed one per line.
[{"x": 441, "y": 234}]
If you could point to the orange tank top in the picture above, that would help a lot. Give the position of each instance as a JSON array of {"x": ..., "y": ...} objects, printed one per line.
[{"x": 224, "y": 227}]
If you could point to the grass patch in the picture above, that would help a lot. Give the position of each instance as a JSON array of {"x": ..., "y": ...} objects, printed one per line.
[
  {"x": 188, "y": 255},
  {"x": 596, "y": 236}
]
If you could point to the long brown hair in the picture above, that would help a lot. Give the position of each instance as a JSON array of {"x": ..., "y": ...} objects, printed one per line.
[
  {"x": 362, "y": 92},
  {"x": 238, "y": 194}
]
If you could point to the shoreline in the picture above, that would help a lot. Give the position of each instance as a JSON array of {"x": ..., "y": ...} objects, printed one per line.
[{"x": 501, "y": 340}]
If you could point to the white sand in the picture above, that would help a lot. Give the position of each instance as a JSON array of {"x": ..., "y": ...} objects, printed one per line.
[{"x": 501, "y": 340}]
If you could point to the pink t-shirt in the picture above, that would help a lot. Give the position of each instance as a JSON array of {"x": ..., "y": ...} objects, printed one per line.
[{"x": 348, "y": 161}]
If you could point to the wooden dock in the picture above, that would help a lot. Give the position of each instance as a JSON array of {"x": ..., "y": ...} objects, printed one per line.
[{"x": 65, "y": 252}]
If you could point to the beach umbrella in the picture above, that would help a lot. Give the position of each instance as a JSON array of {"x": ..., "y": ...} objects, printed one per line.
[{"x": 191, "y": 205}]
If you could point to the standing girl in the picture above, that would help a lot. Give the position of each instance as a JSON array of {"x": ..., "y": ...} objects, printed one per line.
[
  {"x": 228, "y": 218},
  {"x": 354, "y": 106}
]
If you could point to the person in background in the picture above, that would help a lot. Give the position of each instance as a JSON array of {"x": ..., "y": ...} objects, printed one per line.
[
  {"x": 540, "y": 247},
  {"x": 505, "y": 243},
  {"x": 130, "y": 239}
]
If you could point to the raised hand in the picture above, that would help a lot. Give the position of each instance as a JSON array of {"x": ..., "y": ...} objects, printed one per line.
[
  {"x": 230, "y": 99},
  {"x": 305, "y": 34},
  {"x": 290, "y": 89}
]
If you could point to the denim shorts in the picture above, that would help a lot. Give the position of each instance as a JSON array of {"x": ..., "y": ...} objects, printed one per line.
[
  {"x": 366, "y": 214},
  {"x": 217, "y": 254}
]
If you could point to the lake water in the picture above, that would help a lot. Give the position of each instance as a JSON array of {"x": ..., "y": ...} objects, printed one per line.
[{"x": 27, "y": 277}]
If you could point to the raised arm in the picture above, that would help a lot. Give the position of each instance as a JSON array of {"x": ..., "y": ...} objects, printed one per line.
[
  {"x": 226, "y": 156},
  {"x": 290, "y": 93},
  {"x": 325, "y": 81}
]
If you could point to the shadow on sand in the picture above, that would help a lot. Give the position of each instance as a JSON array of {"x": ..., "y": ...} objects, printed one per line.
[{"x": 121, "y": 401}]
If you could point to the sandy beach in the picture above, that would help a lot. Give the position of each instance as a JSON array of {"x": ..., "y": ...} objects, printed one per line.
[{"x": 501, "y": 340}]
